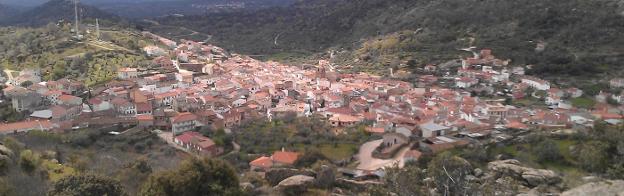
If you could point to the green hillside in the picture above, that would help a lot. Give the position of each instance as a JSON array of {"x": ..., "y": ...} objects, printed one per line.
[
  {"x": 578, "y": 39},
  {"x": 54, "y": 11},
  {"x": 53, "y": 49}
]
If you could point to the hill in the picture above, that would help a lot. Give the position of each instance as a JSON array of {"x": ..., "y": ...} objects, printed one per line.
[
  {"x": 158, "y": 8},
  {"x": 54, "y": 11},
  {"x": 578, "y": 39},
  {"x": 7, "y": 12},
  {"x": 58, "y": 55}
]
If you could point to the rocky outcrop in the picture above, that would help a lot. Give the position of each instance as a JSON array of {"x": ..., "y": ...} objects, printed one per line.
[
  {"x": 5, "y": 151},
  {"x": 276, "y": 175},
  {"x": 530, "y": 176},
  {"x": 609, "y": 187},
  {"x": 295, "y": 184},
  {"x": 357, "y": 186}
]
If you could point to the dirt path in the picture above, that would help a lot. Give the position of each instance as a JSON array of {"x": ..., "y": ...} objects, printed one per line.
[{"x": 369, "y": 163}]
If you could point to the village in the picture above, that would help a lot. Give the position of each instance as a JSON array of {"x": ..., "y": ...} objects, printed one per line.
[{"x": 484, "y": 100}]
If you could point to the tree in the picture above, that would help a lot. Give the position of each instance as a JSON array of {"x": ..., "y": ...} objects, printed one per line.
[
  {"x": 194, "y": 177},
  {"x": 28, "y": 160},
  {"x": 310, "y": 157},
  {"x": 449, "y": 172},
  {"x": 406, "y": 181},
  {"x": 86, "y": 184},
  {"x": 547, "y": 150},
  {"x": 26, "y": 84},
  {"x": 592, "y": 156}
]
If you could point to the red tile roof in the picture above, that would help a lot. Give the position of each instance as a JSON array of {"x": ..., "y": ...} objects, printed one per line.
[
  {"x": 145, "y": 117},
  {"x": 183, "y": 117},
  {"x": 285, "y": 157},
  {"x": 263, "y": 162},
  {"x": 186, "y": 137},
  {"x": 66, "y": 98},
  {"x": 24, "y": 125}
]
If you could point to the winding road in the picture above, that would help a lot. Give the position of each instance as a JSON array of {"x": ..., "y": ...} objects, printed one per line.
[{"x": 369, "y": 163}]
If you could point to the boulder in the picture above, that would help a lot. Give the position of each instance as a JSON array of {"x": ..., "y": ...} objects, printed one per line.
[
  {"x": 536, "y": 177},
  {"x": 609, "y": 187},
  {"x": 532, "y": 177},
  {"x": 356, "y": 186},
  {"x": 295, "y": 184},
  {"x": 6, "y": 151},
  {"x": 276, "y": 175},
  {"x": 478, "y": 172}
]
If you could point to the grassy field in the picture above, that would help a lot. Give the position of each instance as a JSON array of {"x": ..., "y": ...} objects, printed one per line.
[
  {"x": 583, "y": 102},
  {"x": 571, "y": 174},
  {"x": 340, "y": 152}
]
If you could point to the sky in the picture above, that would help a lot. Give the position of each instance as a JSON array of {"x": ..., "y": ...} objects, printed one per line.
[{"x": 38, "y": 2}]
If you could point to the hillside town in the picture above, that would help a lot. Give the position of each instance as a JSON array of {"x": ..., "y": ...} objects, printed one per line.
[{"x": 193, "y": 85}]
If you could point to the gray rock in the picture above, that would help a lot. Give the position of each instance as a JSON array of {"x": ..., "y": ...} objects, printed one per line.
[
  {"x": 276, "y": 175},
  {"x": 478, "y": 172},
  {"x": 536, "y": 177},
  {"x": 297, "y": 180},
  {"x": 357, "y": 186},
  {"x": 6, "y": 151},
  {"x": 609, "y": 187},
  {"x": 532, "y": 177},
  {"x": 590, "y": 179},
  {"x": 295, "y": 184}
]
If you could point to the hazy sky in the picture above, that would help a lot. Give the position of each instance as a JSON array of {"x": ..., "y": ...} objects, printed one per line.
[{"x": 38, "y": 2}]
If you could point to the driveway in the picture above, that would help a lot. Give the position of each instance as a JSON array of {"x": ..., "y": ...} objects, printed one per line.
[{"x": 369, "y": 163}]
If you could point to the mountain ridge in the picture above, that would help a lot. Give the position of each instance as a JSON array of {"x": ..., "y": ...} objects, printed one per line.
[
  {"x": 57, "y": 10},
  {"x": 579, "y": 40}
]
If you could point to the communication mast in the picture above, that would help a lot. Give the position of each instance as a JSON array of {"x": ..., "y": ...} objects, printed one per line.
[
  {"x": 76, "y": 22},
  {"x": 97, "y": 29}
]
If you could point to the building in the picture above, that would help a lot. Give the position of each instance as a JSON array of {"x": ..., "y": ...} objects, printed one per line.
[
  {"x": 343, "y": 120},
  {"x": 69, "y": 100},
  {"x": 97, "y": 105},
  {"x": 536, "y": 83},
  {"x": 392, "y": 140},
  {"x": 616, "y": 83},
  {"x": 278, "y": 159},
  {"x": 123, "y": 107},
  {"x": 127, "y": 73},
  {"x": 465, "y": 82},
  {"x": 196, "y": 142},
  {"x": 262, "y": 163},
  {"x": 497, "y": 111},
  {"x": 25, "y": 126},
  {"x": 183, "y": 122},
  {"x": 145, "y": 120},
  {"x": 154, "y": 51},
  {"x": 25, "y": 100},
  {"x": 284, "y": 158},
  {"x": 431, "y": 129}
]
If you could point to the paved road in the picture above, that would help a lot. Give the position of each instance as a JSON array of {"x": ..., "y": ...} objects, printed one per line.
[{"x": 369, "y": 163}]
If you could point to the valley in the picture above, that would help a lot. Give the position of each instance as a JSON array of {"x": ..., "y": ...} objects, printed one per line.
[{"x": 319, "y": 97}]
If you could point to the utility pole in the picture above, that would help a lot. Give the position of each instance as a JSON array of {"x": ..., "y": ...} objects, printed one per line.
[
  {"x": 76, "y": 19},
  {"x": 97, "y": 29}
]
